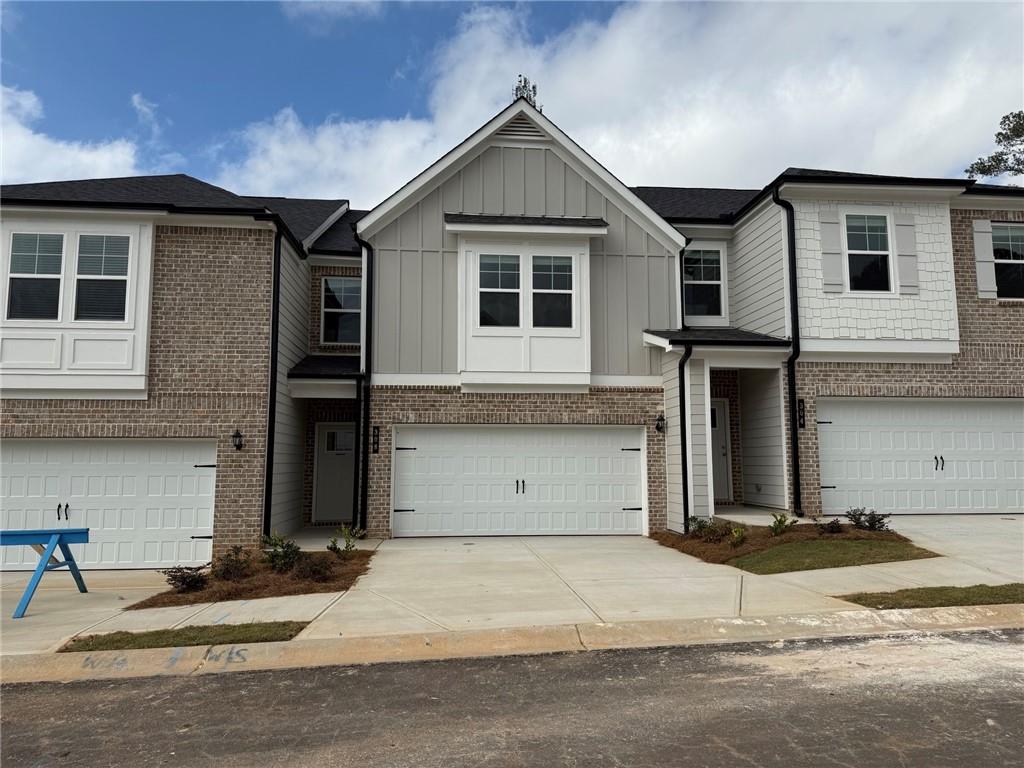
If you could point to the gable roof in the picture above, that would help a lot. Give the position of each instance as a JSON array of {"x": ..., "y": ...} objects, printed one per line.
[
  {"x": 517, "y": 110},
  {"x": 339, "y": 239},
  {"x": 302, "y": 215}
]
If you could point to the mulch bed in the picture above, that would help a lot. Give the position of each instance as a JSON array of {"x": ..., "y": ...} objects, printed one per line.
[
  {"x": 759, "y": 539},
  {"x": 266, "y": 583}
]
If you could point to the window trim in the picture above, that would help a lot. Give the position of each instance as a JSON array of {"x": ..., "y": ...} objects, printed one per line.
[
  {"x": 126, "y": 277},
  {"x": 571, "y": 292},
  {"x": 10, "y": 273},
  {"x": 324, "y": 310},
  {"x": 891, "y": 255},
  {"x": 707, "y": 320},
  {"x": 995, "y": 261}
]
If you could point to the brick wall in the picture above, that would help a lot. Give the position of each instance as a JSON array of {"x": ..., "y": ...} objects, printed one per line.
[
  {"x": 725, "y": 385},
  {"x": 990, "y": 363},
  {"x": 448, "y": 405},
  {"x": 316, "y": 298},
  {"x": 209, "y": 358},
  {"x": 318, "y": 412}
]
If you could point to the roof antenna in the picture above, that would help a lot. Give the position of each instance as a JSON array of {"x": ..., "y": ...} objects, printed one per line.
[{"x": 527, "y": 90}]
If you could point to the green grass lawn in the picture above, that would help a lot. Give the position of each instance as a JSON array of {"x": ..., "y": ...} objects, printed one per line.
[
  {"x": 940, "y": 597},
  {"x": 811, "y": 554},
  {"x": 220, "y": 634}
]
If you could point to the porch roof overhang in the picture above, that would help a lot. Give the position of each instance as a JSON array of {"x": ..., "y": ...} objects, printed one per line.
[
  {"x": 713, "y": 337},
  {"x": 335, "y": 376}
]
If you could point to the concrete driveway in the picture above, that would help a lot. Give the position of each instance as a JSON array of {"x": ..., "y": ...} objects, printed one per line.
[{"x": 450, "y": 584}]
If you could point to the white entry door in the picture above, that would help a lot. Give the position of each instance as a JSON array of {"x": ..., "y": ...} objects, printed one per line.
[
  {"x": 921, "y": 456},
  {"x": 146, "y": 503},
  {"x": 335, "y": 472},
  {"x": 518, "y": 481}
]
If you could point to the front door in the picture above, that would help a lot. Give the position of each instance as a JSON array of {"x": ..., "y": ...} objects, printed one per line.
[
  {"x": 720, "y": 448},
  {"x": 334, "y": 473}
]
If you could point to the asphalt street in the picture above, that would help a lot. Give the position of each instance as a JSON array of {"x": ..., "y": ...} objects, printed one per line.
[{"x": 923, "y": 700}]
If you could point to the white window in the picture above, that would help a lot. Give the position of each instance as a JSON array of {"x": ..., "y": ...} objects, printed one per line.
[
  {"x": 1008, "y": 250},
  {"x": 499, "y": 291},
  {"x": 342, "y": 303},
  {"x": 705, "y": 300},
  {"x": 35, "y": 279},
  {"x": 101, "y": 283},
  {"x": 868, "y": 255},
  {"x": 552, "y": 291}
]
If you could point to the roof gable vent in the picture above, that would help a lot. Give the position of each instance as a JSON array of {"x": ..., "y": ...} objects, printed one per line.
[{"x": 520, "y": 127}]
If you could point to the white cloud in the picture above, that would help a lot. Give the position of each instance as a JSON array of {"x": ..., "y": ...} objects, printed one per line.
[
  {"x": 685, "y": 95},
  {"x": 317, "y": 13},
  {"x": 146, "y": 112},
  {"x": 28, "y": 155}
]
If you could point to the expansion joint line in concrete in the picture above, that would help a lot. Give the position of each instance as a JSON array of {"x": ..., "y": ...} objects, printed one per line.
[
  {"x": 568, "y": 586},
  {"x": 412, "y": 610}
]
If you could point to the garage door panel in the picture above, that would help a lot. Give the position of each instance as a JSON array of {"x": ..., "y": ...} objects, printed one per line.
[
  {"x": 143, "y": 500},
  {"x": 565, "y": 469},
  {"x": 921, "y": 456}
]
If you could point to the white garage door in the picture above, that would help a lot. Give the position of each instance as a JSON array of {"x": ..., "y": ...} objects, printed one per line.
[
  {"x": 143, "y": 501},
  {"x": 921, "y": 456},
  {"x": 517, "y": 481}
]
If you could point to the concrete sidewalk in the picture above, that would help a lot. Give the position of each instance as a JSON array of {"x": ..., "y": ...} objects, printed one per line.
[{"x": 204, "y": 660}]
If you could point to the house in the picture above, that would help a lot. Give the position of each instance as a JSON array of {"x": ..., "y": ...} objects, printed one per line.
[{"x": 513, "y": 343}]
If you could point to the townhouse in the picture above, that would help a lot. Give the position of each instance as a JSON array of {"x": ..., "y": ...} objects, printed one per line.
[{"x": 513, "y": 343}]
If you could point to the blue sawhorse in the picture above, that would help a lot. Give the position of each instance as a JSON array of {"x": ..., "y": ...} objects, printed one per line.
[{"x": 46, "y": 541}]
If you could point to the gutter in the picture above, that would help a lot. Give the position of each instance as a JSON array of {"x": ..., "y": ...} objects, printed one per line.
[
  {"x": 364, "y": 414},
  {"x": 275, "y": 318},
  {"x": 794, "y": 318},
  {"x": 685, "y": 478}
]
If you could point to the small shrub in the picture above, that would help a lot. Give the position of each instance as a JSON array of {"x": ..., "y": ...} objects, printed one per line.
[
  {"x": 233, "y": 565},
  {"x": 350, "y": 536},
  {"x": 781, "y": 522},
  {"x": 184, "y": 578},
  {"x": 312, "y": 568},
  {"x": 831, "y": 526},
  {"x": 698, "y": 525},
  {"x": 281, "y": 553},
  {"x": 867, "y": 520},
  {"x": 716, "y": 531},
  {"x": 738, "y": 535},
  {"x": 334, "y": 548}
]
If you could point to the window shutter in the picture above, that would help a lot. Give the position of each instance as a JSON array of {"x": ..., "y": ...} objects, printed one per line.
[
  {"x": 831, "y": 252},
  {"x": 984, "y": 259},
  {"x": 906, "y": 253}
]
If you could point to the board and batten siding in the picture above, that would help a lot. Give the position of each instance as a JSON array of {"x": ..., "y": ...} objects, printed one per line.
[
  {"x": 632, "y": 276},
  {"x": 762, "y": 438},
  {"x": 700, "y": 477},
  {"x": 757, "y": 289},
  {"x": 290, "y": 423},
  {"x": 673, "y": 442}
]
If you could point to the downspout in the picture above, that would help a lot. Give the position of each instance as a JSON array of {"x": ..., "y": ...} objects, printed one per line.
[
  {"x": 275, "y": 317},
  {"x": 364, "y": 415},
  {"x": 794, "y": 321},
  {"x": 687, "y": 351}
]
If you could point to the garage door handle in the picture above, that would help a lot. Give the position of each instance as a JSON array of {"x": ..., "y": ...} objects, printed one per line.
[
  {"x": 943, "y": 460},
  {"x": 517, "y": 487},
  {"x": 936, "y": 463},
  {"x": 58, "y": 511},
  {"x": 200, "y": 537}
]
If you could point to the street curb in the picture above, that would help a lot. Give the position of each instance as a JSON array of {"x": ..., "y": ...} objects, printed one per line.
[{"x": 204, "y": 660}]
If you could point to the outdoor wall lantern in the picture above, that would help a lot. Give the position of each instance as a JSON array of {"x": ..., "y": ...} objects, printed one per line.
[
  {"x": 236, "y": 440},
  {"x": 659, "y": 424}
]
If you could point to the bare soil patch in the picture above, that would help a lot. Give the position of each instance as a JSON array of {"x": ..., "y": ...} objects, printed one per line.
[{"x": 266, "y": 583}]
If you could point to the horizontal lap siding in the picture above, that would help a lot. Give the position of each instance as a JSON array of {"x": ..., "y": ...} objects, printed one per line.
[
  {"x": 632, "y": 284},
  {"x": 698, "y": 414},
  {"x": 762, "y": 437},
  {"x": 757, "y": 274}
]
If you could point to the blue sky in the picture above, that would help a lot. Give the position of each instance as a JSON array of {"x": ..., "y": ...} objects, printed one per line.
[{"x": 353, "y": 99}]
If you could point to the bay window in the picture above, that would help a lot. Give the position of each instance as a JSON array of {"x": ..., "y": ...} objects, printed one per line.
[
  {"x": 552, "y": 292},
  {"x": 499, "y": 291},
  {"x": 101, "y": 284},
  {"x": 35, "y": 277}
]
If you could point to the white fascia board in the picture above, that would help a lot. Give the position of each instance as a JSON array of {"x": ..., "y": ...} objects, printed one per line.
[
  {"x": 344, "y": 389},
  {"x": 326, "y": 260},
  {"x": 80, "y": 384},
  {"x": 72, "y": 212},
  {"x": 705, "y": 231},
  {"x": 880, "y": 346},
  {"x": 516, "y": 378},
  {"x": 988, "y": 203},
  {"x": 868, "y": 192},
  {"x": 607, "y": 380},
  {"x": 526, "y": 229},
  {"x": 650, "y": 340},
  {"x": 741, "y": 357},
  {"x": 327, "y": 223},
  {"x": 374, "y": 220},
  {"x": 525, "y": 388}
]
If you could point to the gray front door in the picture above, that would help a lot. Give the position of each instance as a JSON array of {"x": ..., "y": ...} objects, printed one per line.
[
  {"x": 334, "y": 473},
  {"x": 720, "y": 448}
]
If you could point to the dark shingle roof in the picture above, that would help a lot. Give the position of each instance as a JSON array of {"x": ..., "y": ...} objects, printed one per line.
[
  {"x": 533, "y": 221},
  {"x": 995, "y": 189},
  {"x": 340, "y": 238},
  {"x": 301, "y": 215},
  {"x": 680, "y": 204},
  {"x": 173, "y": 191},
  {"x": 326, "y": 367},
  {"x": 845, "y": 177},
  {"x": 719, "y": 337}
]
